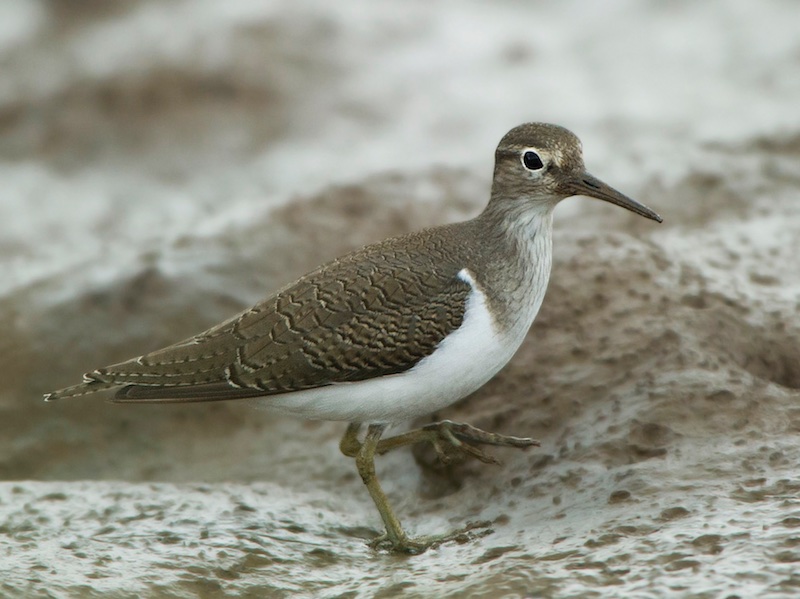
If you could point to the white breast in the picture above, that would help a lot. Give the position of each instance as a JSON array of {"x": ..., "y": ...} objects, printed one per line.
[{"x": 463, "y": 362}]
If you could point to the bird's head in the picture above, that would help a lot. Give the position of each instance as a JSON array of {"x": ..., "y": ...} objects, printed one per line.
[{"x": 543, "y": 164}]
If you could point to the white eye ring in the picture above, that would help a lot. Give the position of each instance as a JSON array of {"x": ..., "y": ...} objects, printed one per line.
[{"x": 531, "y": 160}]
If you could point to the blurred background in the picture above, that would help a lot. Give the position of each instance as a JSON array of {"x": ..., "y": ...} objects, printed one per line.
[{"x": 165, "y": 164}]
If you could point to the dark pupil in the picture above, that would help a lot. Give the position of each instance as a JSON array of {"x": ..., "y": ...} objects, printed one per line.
[{"x": 532, "y": 161}]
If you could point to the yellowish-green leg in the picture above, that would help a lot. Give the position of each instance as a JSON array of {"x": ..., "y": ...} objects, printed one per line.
[
  {"x": 462, "y": 437},
  {"x": 365, "y": 462}
]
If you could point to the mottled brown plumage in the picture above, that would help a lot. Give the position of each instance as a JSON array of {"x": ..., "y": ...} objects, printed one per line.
[{"x": 374, "y": 312}]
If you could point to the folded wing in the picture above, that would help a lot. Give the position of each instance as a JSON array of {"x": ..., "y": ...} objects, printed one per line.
[{"x": 363, "y": 316}]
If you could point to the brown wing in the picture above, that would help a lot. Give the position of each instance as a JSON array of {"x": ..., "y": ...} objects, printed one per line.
[{"x": 366, "y": 315}]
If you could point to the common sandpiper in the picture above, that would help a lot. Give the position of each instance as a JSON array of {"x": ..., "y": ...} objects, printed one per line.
[{"x": 393, "y": 331}]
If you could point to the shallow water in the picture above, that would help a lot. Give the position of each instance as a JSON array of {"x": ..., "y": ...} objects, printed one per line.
[{"x": 157, "y": 179}]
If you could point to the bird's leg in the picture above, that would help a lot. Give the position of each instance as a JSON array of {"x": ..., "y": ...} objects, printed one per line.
[
  {"x": 350, "y": 445},
  {"x": 395, "y": 539},
  {"x": 461, "y": 437}
]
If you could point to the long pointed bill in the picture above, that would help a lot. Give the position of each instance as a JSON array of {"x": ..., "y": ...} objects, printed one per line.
[{"x": 587, "y": 185}]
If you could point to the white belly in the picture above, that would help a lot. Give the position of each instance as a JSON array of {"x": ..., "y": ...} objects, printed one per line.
[{"x": 463, "y": 362}]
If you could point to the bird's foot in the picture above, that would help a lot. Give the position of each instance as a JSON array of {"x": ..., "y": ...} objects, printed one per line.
[
  {"x": 414, "y": 546},
  {"x": 464, "y": 439}
]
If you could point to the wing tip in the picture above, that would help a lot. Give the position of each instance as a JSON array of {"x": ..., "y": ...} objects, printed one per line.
[{"x": 88, "y": 387}]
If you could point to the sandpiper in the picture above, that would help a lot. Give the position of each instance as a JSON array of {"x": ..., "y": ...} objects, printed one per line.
[{"x": 392, "y": 331}]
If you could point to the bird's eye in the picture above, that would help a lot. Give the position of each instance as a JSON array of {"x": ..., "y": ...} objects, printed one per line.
[{"x": 532, "y": 161}]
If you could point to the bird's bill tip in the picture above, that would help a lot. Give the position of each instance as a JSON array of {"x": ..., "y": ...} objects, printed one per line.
[{"x": 591, "y": 186}]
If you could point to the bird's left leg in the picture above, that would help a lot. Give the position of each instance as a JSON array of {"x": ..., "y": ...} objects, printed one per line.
[{"x": 464, "y": 438}]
